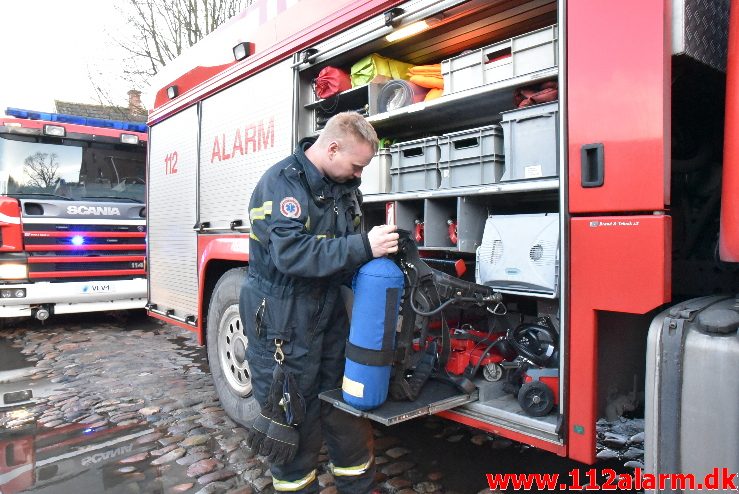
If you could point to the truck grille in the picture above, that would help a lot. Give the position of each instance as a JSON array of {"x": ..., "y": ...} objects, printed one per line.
[{"x": 84, "y": 252}]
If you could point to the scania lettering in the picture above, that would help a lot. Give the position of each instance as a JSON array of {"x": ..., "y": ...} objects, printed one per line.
[
  {"x": 98, "y": 457},
  {"x": 570, "y": 220},
  {"x": 95, "y": 210},
  {"x": 72, "y": 221}
]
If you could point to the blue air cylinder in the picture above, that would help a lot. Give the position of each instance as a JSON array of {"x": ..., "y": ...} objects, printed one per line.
[{"x": 378, "y": 287}]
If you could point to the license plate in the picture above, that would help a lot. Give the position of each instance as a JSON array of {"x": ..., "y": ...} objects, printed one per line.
[{"x": 98, "y": 288}]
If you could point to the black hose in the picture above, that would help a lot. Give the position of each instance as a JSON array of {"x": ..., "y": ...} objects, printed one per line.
[
  {"x": 484, "y": 353},
  {"x": 439, "y": 308}
]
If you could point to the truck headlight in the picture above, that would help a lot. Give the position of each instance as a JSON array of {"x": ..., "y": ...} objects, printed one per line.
[{"x": 10, "y": 271}]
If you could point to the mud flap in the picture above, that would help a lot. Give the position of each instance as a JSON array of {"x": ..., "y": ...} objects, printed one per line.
[{"x": 435, "y": 396}]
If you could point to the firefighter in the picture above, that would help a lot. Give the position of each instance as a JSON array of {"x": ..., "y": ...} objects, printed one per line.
[{"x": 304, "y": 245}]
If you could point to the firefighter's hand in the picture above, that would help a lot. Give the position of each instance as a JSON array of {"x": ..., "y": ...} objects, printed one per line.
[{"x": 383, "y": 240}]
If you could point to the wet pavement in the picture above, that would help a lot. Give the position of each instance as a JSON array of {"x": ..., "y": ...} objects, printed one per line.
[{"x": 126, "y": 405}]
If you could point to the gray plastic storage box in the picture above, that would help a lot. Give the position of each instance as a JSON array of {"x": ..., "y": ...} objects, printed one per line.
[
  {"x": 530, "y": 136},
  {"x": 513, "y": 57},
  {"x": 471, "y": 157},
  {"x": 376, "y": 175},
  {"x": 691, "y": 412},
  {"x": 415, "y": 165}
]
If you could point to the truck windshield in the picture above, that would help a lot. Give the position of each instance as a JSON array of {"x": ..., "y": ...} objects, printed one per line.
[{"x": 101, "y": 172}]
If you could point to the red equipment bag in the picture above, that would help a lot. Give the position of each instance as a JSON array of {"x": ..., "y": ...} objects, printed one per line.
[
  {"x": 331, "y": 81},
  {"x": 535, "y": 94}
]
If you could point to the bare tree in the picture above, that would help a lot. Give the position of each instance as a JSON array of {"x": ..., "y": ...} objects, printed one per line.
[
  {"x": 163, "y": 28},
  {"x": 158, "y": 31},
  {"x": 41, "y": 169}
]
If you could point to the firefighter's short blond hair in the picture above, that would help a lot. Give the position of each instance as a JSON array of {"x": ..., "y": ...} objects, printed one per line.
[{"x": 349, "y": 123}]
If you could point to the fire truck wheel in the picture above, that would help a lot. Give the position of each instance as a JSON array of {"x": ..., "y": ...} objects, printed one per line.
[
  {"x": 227, "y": 349},
  {"x": 536, "y": 399}
]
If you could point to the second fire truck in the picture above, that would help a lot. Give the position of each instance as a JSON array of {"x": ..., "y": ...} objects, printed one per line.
[{"x": 72, "y": 215}]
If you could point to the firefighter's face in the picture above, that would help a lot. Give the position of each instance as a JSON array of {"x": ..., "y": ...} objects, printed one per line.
[{"x": 347, "y": 158}]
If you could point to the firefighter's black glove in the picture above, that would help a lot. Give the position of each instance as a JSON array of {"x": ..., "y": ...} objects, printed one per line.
[
  {"x": 258, "y": 431},
  {"x": 292, "y": 402},
  {"x": 281, "y": 442},
  {"x": 287, "y": 411}
]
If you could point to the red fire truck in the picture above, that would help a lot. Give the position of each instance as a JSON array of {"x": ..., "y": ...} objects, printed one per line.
[
  {"x": 72, "y": 224},
  {"x": 591, "y": 217},
  {"x": 75, "y": 455}
]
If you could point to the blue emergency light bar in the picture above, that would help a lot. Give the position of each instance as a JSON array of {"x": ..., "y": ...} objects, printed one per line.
[{"x": 74, "y": 119}]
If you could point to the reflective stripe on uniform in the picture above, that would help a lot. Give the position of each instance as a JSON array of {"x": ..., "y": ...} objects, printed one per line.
[
  {"x": 351, "y": 471},
  {"x": 253, "y": 236},
  {"x": 261, "y": 212},
  {"x": 293, "y": 485}
]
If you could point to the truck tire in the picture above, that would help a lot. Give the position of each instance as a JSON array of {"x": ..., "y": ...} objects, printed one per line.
[{"x": 227, "y": 343}]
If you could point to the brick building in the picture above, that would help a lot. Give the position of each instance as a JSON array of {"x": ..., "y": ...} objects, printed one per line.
[{"x": 134, "y": 112}]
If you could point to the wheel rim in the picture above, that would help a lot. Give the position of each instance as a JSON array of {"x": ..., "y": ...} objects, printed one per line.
[
  {"x": 232, "y": 345},
  {"x": 536, "y": 400},
  {"x": 492, "y": 372}
]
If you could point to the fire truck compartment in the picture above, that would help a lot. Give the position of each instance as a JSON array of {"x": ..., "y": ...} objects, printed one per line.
[{"x": 447, "y": 162}]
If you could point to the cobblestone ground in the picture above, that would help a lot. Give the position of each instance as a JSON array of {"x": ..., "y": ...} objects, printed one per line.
[
  {"x": 107, "y": 376},
  {"x": 151, "y": 380}
]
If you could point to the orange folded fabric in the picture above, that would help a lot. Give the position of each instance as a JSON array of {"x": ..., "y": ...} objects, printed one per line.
[
  {"x": 433, "y": 94},
  {"x": 434, "y": 69},
  {"x": 428, "y": 81}
]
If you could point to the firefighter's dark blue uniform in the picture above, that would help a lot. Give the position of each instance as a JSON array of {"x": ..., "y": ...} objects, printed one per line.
[{"x": 302, "y": 247}]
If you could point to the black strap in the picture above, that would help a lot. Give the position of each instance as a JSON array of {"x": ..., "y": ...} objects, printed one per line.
[
  {"x": 423, "y": 371},
  {"x": 386, "y": 354},
  {"x": 391, "y": 317},
  {"x": 366, "y": 356},
  {"x": 404, "y": 342},
  {"x": 408, "y": 388},
  {"x": 462, "y": 383},
  {"x": 446, "y": 343}
]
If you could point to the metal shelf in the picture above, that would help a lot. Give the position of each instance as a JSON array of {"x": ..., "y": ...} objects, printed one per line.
[
  {"x": 499, "y": 188},
  {"x": 359, "y": 93},
  {"x": 480, "y": 105}
]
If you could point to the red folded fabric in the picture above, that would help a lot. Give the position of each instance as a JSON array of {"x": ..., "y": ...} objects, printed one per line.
[
  {"x": 535, "y": 94},
  {"x": 331, "y": 81}
]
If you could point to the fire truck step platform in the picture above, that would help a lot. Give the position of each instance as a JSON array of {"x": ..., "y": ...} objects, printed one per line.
[{"x": 435, "y": 396}]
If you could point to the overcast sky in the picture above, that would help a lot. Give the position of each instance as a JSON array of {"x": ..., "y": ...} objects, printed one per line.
[{"x": 48, "y": 48}]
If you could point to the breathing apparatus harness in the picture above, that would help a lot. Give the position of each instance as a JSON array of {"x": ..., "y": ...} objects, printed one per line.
[{"x": 428, "y": 293}]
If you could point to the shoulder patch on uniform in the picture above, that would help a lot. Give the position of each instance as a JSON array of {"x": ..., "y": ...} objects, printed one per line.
[{"x": 290, "y": 207}]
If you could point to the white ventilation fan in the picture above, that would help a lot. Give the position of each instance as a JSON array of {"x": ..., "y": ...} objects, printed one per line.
[{"x": 520, "y": 254}]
